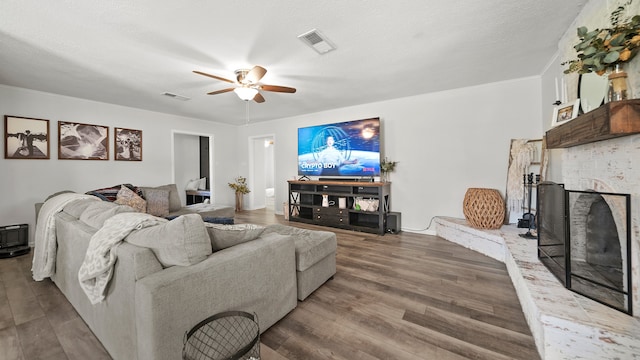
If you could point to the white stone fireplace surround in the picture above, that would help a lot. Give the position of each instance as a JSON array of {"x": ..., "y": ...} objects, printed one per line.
[
  {"x": 564, "y": 324},
  {"x": 610, "y": 166}
]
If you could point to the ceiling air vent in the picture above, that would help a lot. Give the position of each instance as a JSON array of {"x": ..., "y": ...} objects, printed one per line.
[
  {"x": 317, "y": 41},
  {"x": 176, "y": 96}
]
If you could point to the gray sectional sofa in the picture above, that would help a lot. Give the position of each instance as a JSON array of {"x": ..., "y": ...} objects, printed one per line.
[{"x": 149, "y": 304}]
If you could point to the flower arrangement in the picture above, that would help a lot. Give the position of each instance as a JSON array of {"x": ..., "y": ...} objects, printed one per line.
[
  {"x": 600, "y": 50},
  {"x": 387, "y": 165},
  {"x": 240, "y": 185}
]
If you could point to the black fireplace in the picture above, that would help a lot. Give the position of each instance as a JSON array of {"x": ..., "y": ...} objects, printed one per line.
[{"x": 584, "y": 239}]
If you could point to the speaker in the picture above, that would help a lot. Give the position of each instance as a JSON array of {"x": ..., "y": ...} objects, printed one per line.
[{"x": 394, "y": 224}]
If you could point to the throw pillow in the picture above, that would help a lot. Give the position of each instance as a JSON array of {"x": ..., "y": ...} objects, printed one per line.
[
  {"x": 224, "y": 236},
  {"x": 174, "y": 198},
  {"x": 192, "y": 185},
  {"x": 127, "y": 197},
  {"x": 157, "y": 202},
  {"x": 202, "y": 184},
  {"x": 182, "y": 242}
]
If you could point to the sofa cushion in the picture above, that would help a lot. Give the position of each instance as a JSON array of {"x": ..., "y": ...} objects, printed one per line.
[
  {"x": 183, "y": 241},
  {"x": 98, "y": 211},
  {"x": 77, "y": 207},
  {"x": 130, "y": 198},
  {"x": 157, "y": 202},
  {"x": 174, "y": 198},
  {"x": 224, "y": 236},
  {"x": 311, "y": 245}
]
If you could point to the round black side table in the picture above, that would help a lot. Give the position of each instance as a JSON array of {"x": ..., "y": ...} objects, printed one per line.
[{"x": 231, "y": 335}]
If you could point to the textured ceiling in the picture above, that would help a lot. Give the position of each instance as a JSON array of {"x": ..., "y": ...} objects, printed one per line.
[{"x": 130, "y": 52}]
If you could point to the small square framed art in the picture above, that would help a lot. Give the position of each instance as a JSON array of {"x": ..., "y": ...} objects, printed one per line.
[
  {"x": 26, "y": 138},
  {"x": 128, "y": 144}
]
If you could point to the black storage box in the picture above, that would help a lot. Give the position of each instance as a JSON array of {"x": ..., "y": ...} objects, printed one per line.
[{"x": 14, "y": 240}]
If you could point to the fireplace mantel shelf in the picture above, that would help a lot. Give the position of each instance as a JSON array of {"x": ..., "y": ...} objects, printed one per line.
[{"x": 611, "y": 120}]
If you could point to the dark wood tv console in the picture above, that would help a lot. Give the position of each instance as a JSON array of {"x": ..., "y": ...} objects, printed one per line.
[{"x": 306, "y": 204}]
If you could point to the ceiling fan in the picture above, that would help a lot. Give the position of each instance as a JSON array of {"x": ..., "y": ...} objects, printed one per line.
[{"x": 247, "y": 84}]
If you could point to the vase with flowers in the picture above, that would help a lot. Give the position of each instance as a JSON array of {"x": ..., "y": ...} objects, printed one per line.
[
  {"x": 607, "y": 51},
  {"x": 240, "y": 187},
  {"x": 386, "y": 166}
]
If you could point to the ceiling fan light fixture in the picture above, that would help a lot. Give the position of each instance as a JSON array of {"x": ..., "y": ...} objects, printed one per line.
[{"x": 245, "y": 93}]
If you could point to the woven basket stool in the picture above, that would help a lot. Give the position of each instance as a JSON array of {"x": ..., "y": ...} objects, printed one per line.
[{"x": 484, "y": 208}]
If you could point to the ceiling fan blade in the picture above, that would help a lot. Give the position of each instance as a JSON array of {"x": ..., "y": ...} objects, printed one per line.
[
  {"x": 220, "y": 91},
  {"x": 258, "y": 98},
  {"x": 255, "y": 74},
  {"x": 276, "y": 88},
  {"x": 213, "y": 76}
]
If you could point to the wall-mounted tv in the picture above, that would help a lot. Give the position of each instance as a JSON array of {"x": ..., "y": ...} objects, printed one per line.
[{"x": 350, "y": 148}]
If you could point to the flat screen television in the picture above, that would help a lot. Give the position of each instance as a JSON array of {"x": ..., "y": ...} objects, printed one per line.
[{"x": 350, "y": 148}]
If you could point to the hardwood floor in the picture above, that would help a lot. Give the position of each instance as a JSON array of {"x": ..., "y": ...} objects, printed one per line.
[{"x": 404, "y": 296}]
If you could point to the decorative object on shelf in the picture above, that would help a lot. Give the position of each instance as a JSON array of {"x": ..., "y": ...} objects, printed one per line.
[
  {"x": 618, "y": 88},
  {"x": 325, "y": 200},
  {"x": 241, "y": 188},
  {"x": 592, "y": 90},
  {"x": 26, "y": 138},
  {"x": 483, "y": 208},
  {"x": 565, "y": 112},
  {"x": 600, "y": 50},
  {"x": 362, "y": 204},
  {"x": 387, "y": 166}
]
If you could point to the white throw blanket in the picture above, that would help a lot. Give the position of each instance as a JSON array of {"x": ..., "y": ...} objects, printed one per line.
[
  {"x": 97, "y": 267},
  {"x": 44, "y": 253}
]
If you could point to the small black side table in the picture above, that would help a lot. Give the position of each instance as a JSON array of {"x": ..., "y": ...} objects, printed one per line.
[
  {"x": 231, "y": 335},
  {"x": 14, "y": 240},
  {"x": 197, "y": 196}
]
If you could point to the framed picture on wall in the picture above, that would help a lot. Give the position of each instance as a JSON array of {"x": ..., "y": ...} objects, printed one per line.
[
  {"x": 77, "y": 141},
  {"x": 127, "y": 144},
  {"x": 565, "y": 112},
  {"x": 26, "y": 138}
]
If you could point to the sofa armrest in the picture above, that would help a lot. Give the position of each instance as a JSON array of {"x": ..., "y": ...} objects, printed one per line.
[{"x": 257, "y": 276}]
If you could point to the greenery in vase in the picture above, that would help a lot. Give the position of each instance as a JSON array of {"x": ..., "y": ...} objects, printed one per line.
[
  {"x": 240, "y": 185},
  {"x": 387, "y": 166},
  {"x": 600, "y": 50}
]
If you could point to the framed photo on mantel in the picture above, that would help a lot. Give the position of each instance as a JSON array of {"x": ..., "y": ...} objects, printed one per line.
[
  {"x": 26, "y": 138},
  {"x": 565, "y": 112}
]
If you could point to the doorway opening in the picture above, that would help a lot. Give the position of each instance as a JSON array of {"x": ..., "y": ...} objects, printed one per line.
[
  {"x": 192, "y": 159},
  {"x": 262, "y": 172}
]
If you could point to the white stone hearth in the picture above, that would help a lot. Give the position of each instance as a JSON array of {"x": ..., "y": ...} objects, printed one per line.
[{"x": 564, "y": 324}]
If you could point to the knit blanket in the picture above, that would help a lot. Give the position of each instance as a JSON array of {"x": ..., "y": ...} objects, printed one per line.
[
  {"x": 44, "y": 252},
  {"x": 97, "y": 268}
]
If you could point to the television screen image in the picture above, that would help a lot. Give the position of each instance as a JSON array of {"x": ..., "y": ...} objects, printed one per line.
[{"x": 350, "y": 148}]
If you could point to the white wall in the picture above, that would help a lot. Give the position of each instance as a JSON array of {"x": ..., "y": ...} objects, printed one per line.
[
  {"x": 444, "y": 142},
  {"x": 25, "y": 182}
]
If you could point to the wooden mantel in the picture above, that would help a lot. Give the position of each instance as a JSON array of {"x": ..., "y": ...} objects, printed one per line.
[{"x": 611, "y": 120}]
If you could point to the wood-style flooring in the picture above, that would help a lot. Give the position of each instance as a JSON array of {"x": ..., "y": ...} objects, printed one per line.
[{"x": 404, "y": 296}]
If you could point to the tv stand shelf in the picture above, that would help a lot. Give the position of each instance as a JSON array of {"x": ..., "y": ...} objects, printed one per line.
[{"x": 305, "y": 204}]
